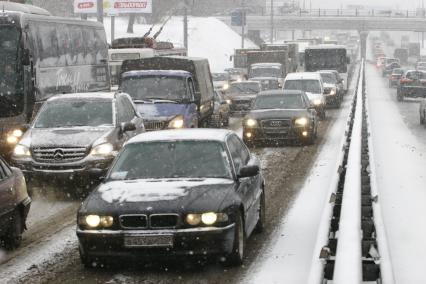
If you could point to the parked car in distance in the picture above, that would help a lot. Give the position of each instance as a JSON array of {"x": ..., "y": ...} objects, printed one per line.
[
  {"x": 333, "y": 87},
  {"x": 206, "y": 201},
  {"x": 14, "y": 205},
  {"x": 422, "y": 112},
  {"x": 395, "y": 76},
  {"x": 412, "y": 84},
  {"x": 221, "y": 112},
  {"x": 421, "y": 66},
  {"x": 380, "y": 61},
  {"x": 221, "y": 80},
  {"x": 389, "y": 68},
  {"x": 241, "y": 95},
  {"x": 312, "y": 84},
  {"x": 76, "y": 137},
  {"x": 280, "y": 116},
  {"x": 268, "y": 83}
]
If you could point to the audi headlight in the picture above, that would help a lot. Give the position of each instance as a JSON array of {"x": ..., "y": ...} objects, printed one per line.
[
  {"x": 303, "y": 121},
  {"x": 177, "y": 122},
  {"x": 21, "y": 151},
  {"x": 225, "y": 86},
  {"x": 317, "y": 102},
  {"x": 106, "y": 149},
  {"x": 251, "y": 122},
  {"x": 13, "y": 137}
]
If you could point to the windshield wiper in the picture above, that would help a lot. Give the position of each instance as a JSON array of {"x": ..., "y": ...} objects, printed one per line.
[{"x": 162, "y": 100}]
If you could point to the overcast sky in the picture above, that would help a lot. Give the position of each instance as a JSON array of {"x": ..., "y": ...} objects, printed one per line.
[{"x": 330, "y": 4}]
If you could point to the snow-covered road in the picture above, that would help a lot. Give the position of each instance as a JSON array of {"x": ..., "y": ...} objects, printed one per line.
[{"x": 400, "y": 165}]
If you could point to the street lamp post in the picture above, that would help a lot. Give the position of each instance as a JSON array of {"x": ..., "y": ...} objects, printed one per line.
[{"x": 272, "y": 21}]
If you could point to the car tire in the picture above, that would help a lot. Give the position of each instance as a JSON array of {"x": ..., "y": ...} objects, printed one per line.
[
  {"x": 260, "y": 226},
  {"x": 399, "y": 96},
  {"x": 236, "y": 257},
  {"x": 13, "y": 238},
  {"x": 322, "y": 115},
  {"x": 422, "y": 118}
]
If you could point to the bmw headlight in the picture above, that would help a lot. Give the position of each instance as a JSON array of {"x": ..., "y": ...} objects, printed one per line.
[
  {"x": 106, "y": 149},
  {"x": 21, "y": 151},
  {"x": 303, "y": 121},
  {"x": 177, "y": 122},
  {"x": 95, "y": 221},
  {"x": 251, "y": 122},
  {"x": 208, "y": 218}
]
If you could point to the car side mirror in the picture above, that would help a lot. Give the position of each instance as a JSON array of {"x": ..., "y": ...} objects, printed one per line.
[
  {"x": 249, "y": 171},
  {"x": 127, "y": 126}
]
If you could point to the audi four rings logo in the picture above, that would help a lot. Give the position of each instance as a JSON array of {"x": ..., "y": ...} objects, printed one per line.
[
  {"x": 58, "y": 155},
  {"x": 275, "y": 123}
]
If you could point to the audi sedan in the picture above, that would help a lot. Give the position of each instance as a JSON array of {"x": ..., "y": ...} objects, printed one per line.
[
  {"x": 206, "y": 200},
  {"x": 279, "y": 116}
]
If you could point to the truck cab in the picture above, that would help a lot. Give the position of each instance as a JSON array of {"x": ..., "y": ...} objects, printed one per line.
[
  {"x": 187, "y": 90},
  {"x": 164, "y": 98}
]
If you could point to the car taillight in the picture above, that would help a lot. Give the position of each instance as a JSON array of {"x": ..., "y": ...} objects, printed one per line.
[{"x": 405, "y": 81}]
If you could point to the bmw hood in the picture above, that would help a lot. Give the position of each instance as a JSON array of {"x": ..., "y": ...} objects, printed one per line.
[{"x": 158, "y": 196}]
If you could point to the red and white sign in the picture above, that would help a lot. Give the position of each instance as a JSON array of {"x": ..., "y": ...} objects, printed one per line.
[
  {"x": 114, "y": 7},
  {"x": 85, "y": 6},
  {"x": 131, "y": 6}
]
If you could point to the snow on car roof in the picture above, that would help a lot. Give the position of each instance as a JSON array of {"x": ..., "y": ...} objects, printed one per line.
[
  {"x": 182, "y": 134},
  {"x": 303, "y": 75},
  {"x": 135, "y": 73},
  {"x": 97, "y": 95}
]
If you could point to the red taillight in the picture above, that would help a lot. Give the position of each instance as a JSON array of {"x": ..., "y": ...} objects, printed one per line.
[{"x": 405, "y": 81}]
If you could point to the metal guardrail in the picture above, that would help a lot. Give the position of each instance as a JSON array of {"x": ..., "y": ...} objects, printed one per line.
[
  {"x": 348, "y": 13},
  {"x": 354, "y": 235}
]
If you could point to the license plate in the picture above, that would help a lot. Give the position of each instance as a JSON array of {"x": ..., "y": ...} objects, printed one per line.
[{"x": 148, "y": 241}]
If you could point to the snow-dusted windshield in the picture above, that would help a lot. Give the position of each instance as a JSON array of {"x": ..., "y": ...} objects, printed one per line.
[
  {"x": 265, "y": 72},
  {"x": 329, "y": 78},
  {"x": 155, "y": 87},
  {"x": 306, "y": 85},
  {"x": 174, "y": 159},
  {"x": 279, "y": 102},
  {"x": 11, "y": 87},
  {"x": 68, "y": 113}
]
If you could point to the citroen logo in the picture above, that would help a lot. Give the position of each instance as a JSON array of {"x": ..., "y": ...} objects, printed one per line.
[{"x": 58, "y": 155}]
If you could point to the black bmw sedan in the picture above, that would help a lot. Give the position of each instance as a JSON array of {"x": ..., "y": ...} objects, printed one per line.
[
  {"x": 278, "y": 116},
  {"x": 194, "y": 192}
]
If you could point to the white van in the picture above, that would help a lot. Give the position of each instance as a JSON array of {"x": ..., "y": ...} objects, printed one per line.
[{"x": 310, "y": 83}]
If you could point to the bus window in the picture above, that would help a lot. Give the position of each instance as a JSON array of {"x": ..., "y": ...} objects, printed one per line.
[
  {"x": 48, "y": 45},
  {"x": 101, "y": 47},
  {"x": 90, "y": 46},
  {"x": 64, "y": 44},
  {"x": 77, "y": 49}
]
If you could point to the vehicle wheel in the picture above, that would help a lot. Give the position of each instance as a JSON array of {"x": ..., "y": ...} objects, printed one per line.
[
  {"x": 236, "y": 257},
  {"x": 13, "y": 238},
  {"x": 322, "y": 114},
  {"x": 422, "y": 119},
  {"x": 260, "y": 226}
]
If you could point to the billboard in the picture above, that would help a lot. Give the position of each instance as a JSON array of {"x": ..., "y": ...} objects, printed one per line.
[{"x": 114, "y": 7}]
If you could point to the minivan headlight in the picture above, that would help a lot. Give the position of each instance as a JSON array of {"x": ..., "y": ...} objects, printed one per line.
[
  {"x": 14, "y": 136},
  {"x": 105, "y": 149},
  {"x": 177, "y": 122}
]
